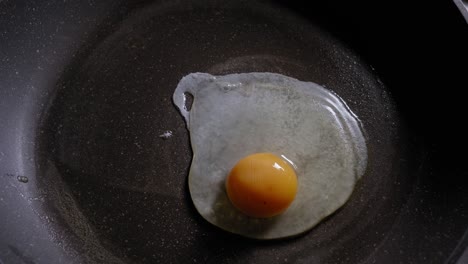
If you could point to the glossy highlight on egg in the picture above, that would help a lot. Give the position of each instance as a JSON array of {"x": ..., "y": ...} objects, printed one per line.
[
  {"x": 261, "y": 185},
  {"x": 283, "y": 120}
]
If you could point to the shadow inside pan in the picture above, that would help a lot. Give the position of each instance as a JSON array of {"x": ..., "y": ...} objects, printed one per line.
[{"x": 120, "y": 190}]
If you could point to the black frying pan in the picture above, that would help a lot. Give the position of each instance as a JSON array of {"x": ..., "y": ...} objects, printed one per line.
[{"x": 86, "y": 91}]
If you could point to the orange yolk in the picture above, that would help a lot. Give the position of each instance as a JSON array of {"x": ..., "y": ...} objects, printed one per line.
[{"x": 262, "y": 185}]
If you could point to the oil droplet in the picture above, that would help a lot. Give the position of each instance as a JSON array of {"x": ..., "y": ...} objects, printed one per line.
[
  {"x": 22, "y": 179},
  {"x": 167, "y": 134}
]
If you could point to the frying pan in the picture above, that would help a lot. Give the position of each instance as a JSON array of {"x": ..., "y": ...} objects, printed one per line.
[{"x": 85, "y": 90}]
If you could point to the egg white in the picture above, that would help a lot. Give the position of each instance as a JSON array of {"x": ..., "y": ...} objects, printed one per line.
[{"x": 236, "y": 115}]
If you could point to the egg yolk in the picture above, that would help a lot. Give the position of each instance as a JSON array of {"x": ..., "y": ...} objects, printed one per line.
[{"x": 262, "y": 185}]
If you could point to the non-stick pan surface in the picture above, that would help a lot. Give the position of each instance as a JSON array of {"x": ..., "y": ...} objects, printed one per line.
[{"x": 86, "y": 177}]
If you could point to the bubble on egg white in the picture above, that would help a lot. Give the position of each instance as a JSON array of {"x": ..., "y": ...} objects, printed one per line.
[{"x": 236, "y": 115}]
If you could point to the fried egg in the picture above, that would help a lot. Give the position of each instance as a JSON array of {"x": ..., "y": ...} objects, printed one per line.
[{"x": 272, "y": 155}]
